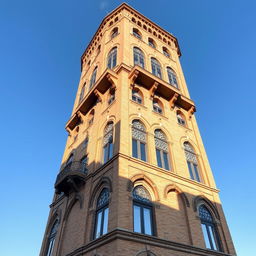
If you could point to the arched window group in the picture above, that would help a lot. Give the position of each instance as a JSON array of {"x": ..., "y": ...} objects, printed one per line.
[
  {"x": 112, "y": 58},
  {"x": 102, "y": 209},
  {"x": 108, "y": 142},
  {"x": 192, "y": 162}
]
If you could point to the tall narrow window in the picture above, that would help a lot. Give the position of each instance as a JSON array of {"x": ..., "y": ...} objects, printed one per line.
[
  {"x": 136, "y": 33},
  {"x": 157, "y": 106},
  {"x": 139, "y": 139},
  {"x": 138, "y": 57},
  {"x": 51, "y": 238},
  {"x": 114, "y": 33},
  {"x": 112, "y": 58},
  {"x": 82, "y": 93},
  {"x": 172, "y": 77},
  {"x": 142, "y": 211},
  {"x": 93, "y": 77},
  {"x": 101, "y": 224},
  {"x": 162, "y": 151},
  {"x": 108, "y": 142},
  {"x": 156, "y": 68},
  {"x": 151, "y": 43},
  {"x": 136, "y": 96},
  {"x": 209, "y": 230},
  {"x": 192, "y": 162}
]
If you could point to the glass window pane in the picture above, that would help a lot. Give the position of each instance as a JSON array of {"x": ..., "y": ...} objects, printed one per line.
[
  {"x": 110, "y": 150},
  {"x": 147, "y": 221},
  {"x": 158, "y": 157},
  {"x": 166, "y": 161},
  {"x": 211, "y": 232},
  {"x": 196, "y": 172},
  {"x": 190, "y": 171},
  {"x": 98, "y": 224},
  {"x": 105, "y": 152},
  {"x": 136, "y": 219},
  {"x": 206, "y": 237},
  {"x": 134, "y": 148},
  {"x": 105, "y": 224},
  {"x": 143, "y": 151},
  {"x": 51, "y": 245}
]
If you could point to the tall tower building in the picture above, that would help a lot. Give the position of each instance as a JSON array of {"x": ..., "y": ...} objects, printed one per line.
[{"x": 134, "y": 179}]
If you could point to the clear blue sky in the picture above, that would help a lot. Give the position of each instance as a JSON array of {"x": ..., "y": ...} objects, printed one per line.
[{"x": 40, "y": 47}]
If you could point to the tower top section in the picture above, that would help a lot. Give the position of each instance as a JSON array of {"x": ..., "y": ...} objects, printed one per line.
[{"x": 124, "y": 10}]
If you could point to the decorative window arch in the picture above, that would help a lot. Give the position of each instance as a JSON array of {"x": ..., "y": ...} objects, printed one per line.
[
  {"x": 114, "y": 32},
  {"x": 81, "y": 96},
  {"x": 166, "y": 52},
  {"x": 181, "y": 118},
  {"x": 108, "y": 142},
  {"x": 102, "y": 210},
  {"x": 156, "y": 67},
  {"x": 151, "y": 42},
  {"x": 112, "y": 56},
  {"x": 51, "y": 238},
  {"x": 93, "y": 77},
  {"x": 162, "y": 150},
  {"x": 209, "y": 230},
  {"x": 137, "y": 96},
  {"x": 139, "y": 140},
  {"x": 172, "y": 77},
  {"x": 138, "y": 57},
  {"x": 136, "y": 33},
  {"x": 192, "y": 162},
  {"x": 142, "y": 211},
  {"x": 157, "y": 106}
]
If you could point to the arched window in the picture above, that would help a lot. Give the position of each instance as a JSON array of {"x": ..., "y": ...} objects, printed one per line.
[
  {"x": 114, "y": 32},
  {"x": 181, "y": 119},
  {"x": 84, "y": 164},
  {"x": 209, "y": 230},
  {"x": 172, "y": 77},
  {"x": 136, "y": 96},
  {"x": 93, "y": 77},
  {"x": 112, "y": 58},
  {"x": 82, "y": 93},
  {"x": 166, "y": 52},
  {"x": 108, "y": 142},
  {"x": 162, "y": 151},
  {"x": 101, "y": 224},
  {"x": 157, "y": 106},
  {"x": 138, "y": 57},
  {"x": 156, "y": 68},
  {"x": 142, "y": 211},
  {"x": 51, "y": 238},
  {"x": 139, "y": 140},
  {"x": 192, "y": 162},
  {"x": 151, "y": 42},
  {"x": 136, "y": 33}
]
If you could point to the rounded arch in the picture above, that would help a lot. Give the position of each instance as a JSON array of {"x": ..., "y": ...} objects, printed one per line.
[
  {"x": 104, "y": 182},
  {"x": 201, "y": 199},
  {"x": 57, "y": 216},
  {"x": 152, "y": 42},
  {"x": 111, "y": 118},
  {"x": 173, "y": 187},
  {"x": 77, "y": 198},
  {"x": 184, "y": 139},
  {"x": 142, "y": 179},
  {"x": 137, "y": 95},
  {"x": 158, "y": 105},
  {"x": 167, "y": 133},
  {"x": 141, "y": 119},
  {"x": 181, "y": 118}
]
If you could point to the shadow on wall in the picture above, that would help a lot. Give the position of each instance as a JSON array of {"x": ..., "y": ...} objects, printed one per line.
[{"x": 95, "y": 206}]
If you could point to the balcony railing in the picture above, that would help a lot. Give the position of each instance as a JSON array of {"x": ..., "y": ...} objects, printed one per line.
[{"x": 71, "y": 177}]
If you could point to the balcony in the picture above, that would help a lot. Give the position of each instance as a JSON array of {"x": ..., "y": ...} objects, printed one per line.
[{"x": 71, "y": 177}]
